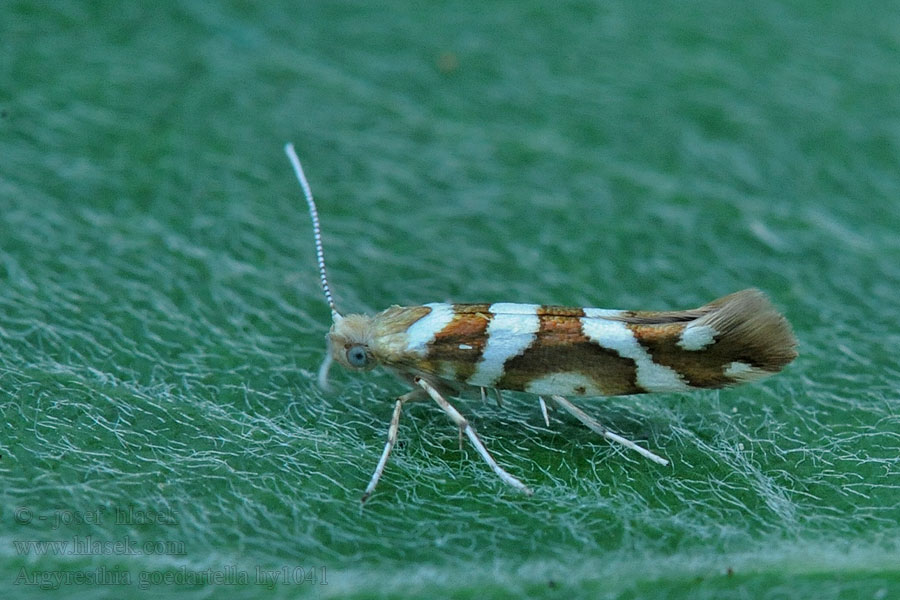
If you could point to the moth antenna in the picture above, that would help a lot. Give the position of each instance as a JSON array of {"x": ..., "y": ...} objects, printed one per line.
[{"x": 317, "y": 230}]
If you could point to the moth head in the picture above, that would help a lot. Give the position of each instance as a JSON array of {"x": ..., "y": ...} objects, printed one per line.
[{"x": 350, "y": 342}]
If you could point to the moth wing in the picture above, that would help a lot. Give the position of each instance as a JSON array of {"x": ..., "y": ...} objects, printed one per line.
[{"x": 734, "y": 339}]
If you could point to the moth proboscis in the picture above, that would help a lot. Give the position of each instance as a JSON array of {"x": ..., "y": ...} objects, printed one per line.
[{"x": 442, "y": 349}]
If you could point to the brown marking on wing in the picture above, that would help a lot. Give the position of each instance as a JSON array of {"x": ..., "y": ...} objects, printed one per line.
[
  {"x": 561, "y": 347},
  {"x": 560, "y": 311},
  {"x": 700, "y": 368},
  {"x": 472, "y": 309},
  {"x": 468, "y": 328}
]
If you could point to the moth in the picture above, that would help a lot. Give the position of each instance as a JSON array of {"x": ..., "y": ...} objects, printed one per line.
[{"x": 558, "y": 352}]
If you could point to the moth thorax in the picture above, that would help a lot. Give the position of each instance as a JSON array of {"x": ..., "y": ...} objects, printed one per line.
[{"x": 350, "y": 339}]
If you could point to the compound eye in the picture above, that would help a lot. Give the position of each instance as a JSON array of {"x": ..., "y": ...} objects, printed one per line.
[{"x": 357, "y": 356}]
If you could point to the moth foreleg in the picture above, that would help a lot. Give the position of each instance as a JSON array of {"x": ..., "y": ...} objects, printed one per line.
[
  {"x": 391, "y": 440},
  {"x": 595, "y": 426},
  {"x": 466, "y": 428}
]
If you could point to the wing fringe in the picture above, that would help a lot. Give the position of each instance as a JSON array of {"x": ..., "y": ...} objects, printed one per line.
[{"x": 749, "y": 320}]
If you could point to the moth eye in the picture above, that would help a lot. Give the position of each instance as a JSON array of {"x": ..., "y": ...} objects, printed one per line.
[{"x": 357, "y": 356}]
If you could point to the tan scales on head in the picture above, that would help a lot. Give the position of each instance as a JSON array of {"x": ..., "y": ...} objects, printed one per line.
[
  {"x": 363, "y": 341},
  {"x": 350, "y": 341}
]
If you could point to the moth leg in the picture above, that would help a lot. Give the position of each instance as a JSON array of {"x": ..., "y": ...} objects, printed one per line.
[
  {"x": 464, "y": 427},
  {"x": 595, "y": 426},
  {"x": 391, "y": 440},
  {"x": 413, "y": 396},
  {"x": 499, "y": 397},
  {"x": 544, "y": 410}
]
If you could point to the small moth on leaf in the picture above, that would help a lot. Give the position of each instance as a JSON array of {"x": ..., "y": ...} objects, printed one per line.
[{"x": 442, "y": 349}]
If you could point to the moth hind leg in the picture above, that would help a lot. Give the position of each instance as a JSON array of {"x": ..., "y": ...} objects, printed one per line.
[{"x": 596, "y": 427}]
